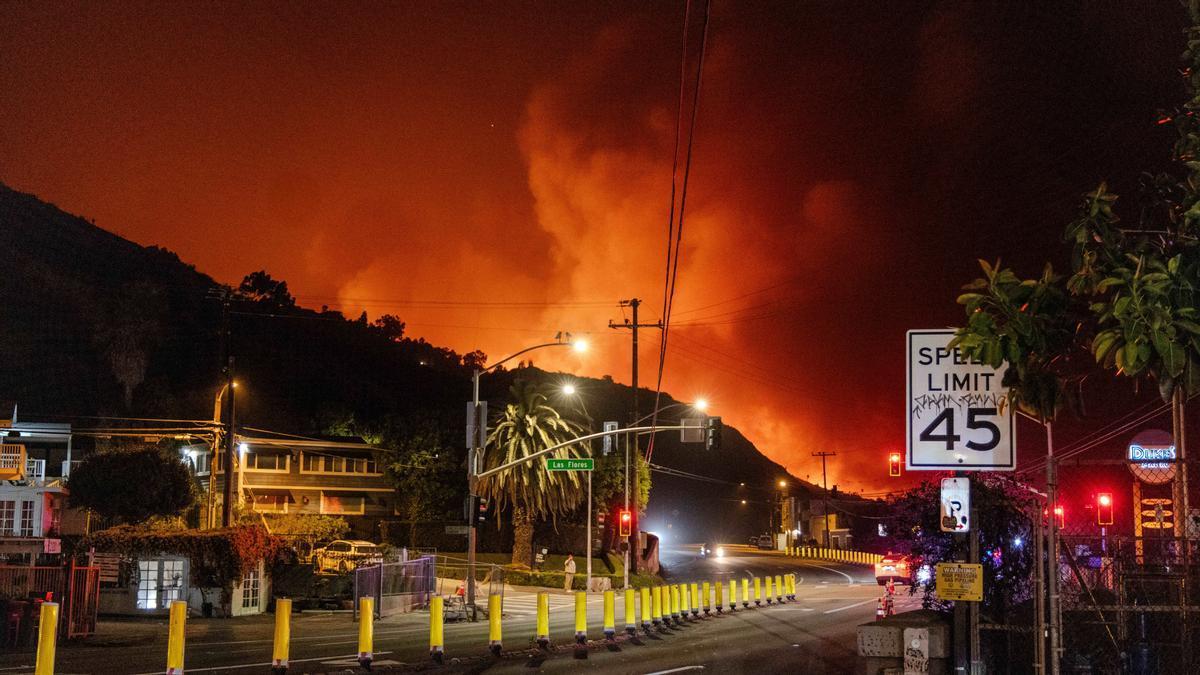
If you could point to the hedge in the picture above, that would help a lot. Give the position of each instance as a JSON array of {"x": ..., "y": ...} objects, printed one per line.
[{"x": 217, "y": 558}]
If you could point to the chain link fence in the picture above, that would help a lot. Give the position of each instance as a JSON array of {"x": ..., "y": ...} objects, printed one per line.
[{"x": 1127, "y": 565}]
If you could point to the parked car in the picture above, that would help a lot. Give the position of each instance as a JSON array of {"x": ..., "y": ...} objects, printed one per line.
[
  {"x": 896, "y": 567},
  {"x": 766, "y": 542},
  {"x": 344, "y": 555}
]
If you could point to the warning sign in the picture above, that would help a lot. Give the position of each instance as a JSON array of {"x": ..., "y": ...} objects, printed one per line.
[
  {"x": 958, "y": 412},
  {"x": 960, "y": 581}
]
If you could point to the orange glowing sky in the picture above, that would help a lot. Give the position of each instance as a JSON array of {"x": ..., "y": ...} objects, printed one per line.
[{"x": 849, "y": 168}]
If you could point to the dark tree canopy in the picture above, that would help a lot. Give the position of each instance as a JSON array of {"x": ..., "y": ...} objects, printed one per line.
[{"x": 132, "y": 485}]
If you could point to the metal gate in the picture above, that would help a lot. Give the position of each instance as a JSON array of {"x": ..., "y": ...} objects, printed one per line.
[{"x": 82, "y": 601}]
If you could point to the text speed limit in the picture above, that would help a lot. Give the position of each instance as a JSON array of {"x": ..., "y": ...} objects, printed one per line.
[{"x": 958, "y": 412}]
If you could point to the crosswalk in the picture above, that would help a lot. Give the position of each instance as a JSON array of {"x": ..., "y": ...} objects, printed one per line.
[{"x": 525, "y": 604}]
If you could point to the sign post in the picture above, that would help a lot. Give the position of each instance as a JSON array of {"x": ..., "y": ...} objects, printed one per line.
[
  {"x": 586, "y": 464},
  {"x": 958, "y": 419}
]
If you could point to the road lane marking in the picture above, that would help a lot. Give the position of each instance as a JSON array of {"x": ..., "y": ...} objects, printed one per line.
[
  {"x": 267, "y": 664},
  {"x": 676, "y": 670},
  {"x": 857, "y": 604},
  {"x": 849, "y": 579}
]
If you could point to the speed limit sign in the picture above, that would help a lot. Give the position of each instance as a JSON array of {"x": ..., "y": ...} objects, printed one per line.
[{"x": 958, "y": 411}]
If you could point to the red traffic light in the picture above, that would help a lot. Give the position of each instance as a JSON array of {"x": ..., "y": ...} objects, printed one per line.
[
  {"x": 625, "y": 520},
  {"x": 894, "y": 464},
  {"x": 1104, "y": 508},
  {"x": 1060, "y": 514}
]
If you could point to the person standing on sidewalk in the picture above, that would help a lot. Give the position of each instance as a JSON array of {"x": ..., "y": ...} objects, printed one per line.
[{"x": 569, "y": 572}]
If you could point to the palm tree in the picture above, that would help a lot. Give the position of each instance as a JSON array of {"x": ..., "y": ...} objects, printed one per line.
[{"x": 527, "y": 425}]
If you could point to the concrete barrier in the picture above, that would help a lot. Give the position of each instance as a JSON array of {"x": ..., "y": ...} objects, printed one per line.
[{"x": 884, "y": 644}]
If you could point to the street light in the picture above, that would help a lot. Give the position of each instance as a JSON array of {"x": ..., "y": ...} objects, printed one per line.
[
  {"x": 569, "y": 390},
  {"x": 475, "y": 452}
]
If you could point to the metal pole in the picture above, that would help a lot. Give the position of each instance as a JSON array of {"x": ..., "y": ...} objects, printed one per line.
[
  {"x": 628, "y": 544},
  {"x": 1052, "y": 551},
  {"x": 588, "y": 585},
  {"x": 634, "y": 517},
  {"x": 1039, "y": 605},
  {"x": 227, "y": 506},
  {"x": 472, "y": 482}
]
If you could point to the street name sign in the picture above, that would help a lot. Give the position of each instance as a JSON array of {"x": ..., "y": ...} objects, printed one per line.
[
  {"x": 458, "y": 529},
  {"x": 958, "y": 414},
  {"x": 956, "y": 505},
  {"x": 586, "y": 464},
  {"x": 960, "y": 581}
]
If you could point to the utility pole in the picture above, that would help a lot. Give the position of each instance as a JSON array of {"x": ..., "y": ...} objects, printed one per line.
[
  {"x": 631, "y": 470},
  {"x": 825, "y": 486},
  {"x": 227, "y": 464}
]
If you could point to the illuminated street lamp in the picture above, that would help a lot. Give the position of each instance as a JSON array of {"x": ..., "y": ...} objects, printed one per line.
[{"x": 475, "y": 451}]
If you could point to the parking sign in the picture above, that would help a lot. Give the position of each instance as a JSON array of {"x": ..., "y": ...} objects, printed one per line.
[{"x": 958, "y": 412}]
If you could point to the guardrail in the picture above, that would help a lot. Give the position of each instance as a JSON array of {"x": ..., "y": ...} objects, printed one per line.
[{"x": 834, "y": 555}]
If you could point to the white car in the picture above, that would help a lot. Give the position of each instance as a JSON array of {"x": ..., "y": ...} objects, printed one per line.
[{"x": 344, "y": 555}]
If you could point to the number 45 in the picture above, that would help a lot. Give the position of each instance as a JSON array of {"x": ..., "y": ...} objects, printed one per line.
[{"x": 950, "y": 438}]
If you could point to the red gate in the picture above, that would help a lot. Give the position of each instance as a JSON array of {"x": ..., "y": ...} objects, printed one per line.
[{"x": 82, "y": 601}]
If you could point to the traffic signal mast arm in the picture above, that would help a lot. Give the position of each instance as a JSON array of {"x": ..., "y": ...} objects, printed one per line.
[{"x": 581, "y": 439}]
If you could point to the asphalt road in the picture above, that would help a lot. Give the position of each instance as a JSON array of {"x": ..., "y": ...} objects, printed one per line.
[{"x": 814, "y": 634}]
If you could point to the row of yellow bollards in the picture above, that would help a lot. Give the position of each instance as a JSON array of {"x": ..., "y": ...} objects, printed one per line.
[
  {"x": 661, "y": 607},
  {"x": 834, "y": 554}
]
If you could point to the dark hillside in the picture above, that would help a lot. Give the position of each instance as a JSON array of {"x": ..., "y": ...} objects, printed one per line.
[{"x": 93, "y": 324}]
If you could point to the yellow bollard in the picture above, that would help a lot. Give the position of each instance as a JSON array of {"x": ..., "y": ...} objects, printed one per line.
[
  {"x": 543, "y": 619},
  {"x": 644, "y": 597},
  {"x": 706, "y": 591},
  {"x": 495, "y": 630},
  {"x": 283, "y": 634},
  {"x": 675, "y": 602},
  {"x": 610, "y": 619},
  {"x": 581, "y": 625},
  {"x": 436, "y": 626},
  {"x": 745, "y": 593},
  {"x": 778, "y": 588},
  {"x": 47, "y": 637},
  {"x": 720, "y": 599},
  {"x": 630, "y": 612},
  {"x": 768, "y": 596},
  {"x": 366, "y": 628},
  {"x": 581, "y": 617},
  {"x": 656, "y": 607},
  {"x": 176, "y": 625},
  {"x": 694, "y": 603},
  {"x": 757, "y": 591}
]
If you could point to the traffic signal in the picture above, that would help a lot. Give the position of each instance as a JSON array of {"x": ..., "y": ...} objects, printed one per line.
[
  {"x": 625, "y": 519},
  {"x": 1060, "y": 514},
  {"x": 894, "y": 464},
  {"x": 712, "y": 433},
  {"x": 1104, "y": 508},
  {"x": 478, "y": 510}
]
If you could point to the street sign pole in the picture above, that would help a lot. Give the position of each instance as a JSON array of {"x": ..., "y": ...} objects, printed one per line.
[
  {"x": 962, "y": 644},
  {"x": 588, "y": 586}
]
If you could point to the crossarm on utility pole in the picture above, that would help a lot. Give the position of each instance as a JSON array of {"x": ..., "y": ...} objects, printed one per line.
[{"x": 581, "y": 439}]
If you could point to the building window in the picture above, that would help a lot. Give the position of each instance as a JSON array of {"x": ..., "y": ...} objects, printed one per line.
[
  {"x": 26, "y": 519},
  {"x": 270, "y": 503},
  {"x": 258, "y": 460},
  {"x": 8, "y": 517},
  {"x": 250, "y": 589},
  {"x": 323, "y": 463},
  {"x": 202, "y": 463},
  {"x": 350, "y": 505}
]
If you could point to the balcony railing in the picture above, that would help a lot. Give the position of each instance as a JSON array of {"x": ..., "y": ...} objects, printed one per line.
[
  {"x": 12, "y": 461},
  {"x": 35, "y": 470}
]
